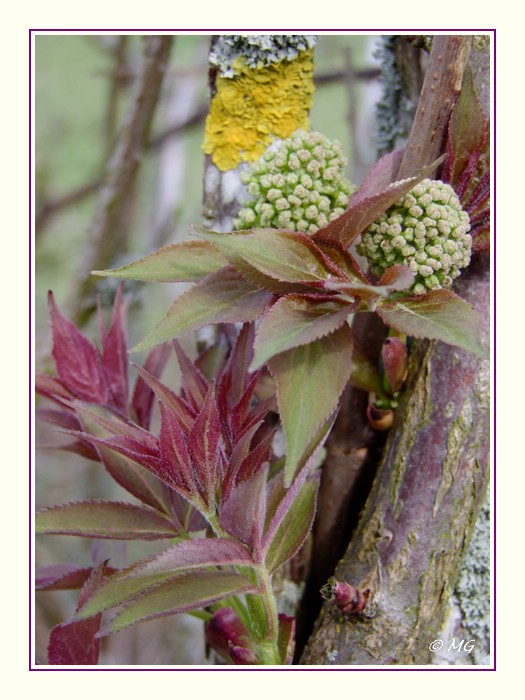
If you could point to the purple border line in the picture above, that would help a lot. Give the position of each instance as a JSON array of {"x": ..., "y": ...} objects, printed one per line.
[
  {"x": 198, "y": 669},
  {"x": 493, "y": 339},
  {"x": 30, "y": 249}
]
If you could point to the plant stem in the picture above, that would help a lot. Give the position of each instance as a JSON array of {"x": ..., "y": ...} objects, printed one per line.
[
  {"x": 270, "y": 650},
  {"x": 262, "y": 607}
]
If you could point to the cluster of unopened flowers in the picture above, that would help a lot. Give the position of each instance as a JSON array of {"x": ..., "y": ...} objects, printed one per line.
[
  {"x": 299, "y": 185},
  {"x": 427, "y": 231}
]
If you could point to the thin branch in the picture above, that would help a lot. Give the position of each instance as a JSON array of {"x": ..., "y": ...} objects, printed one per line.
[
  {"x": 441, "y": 87},
  {"x": 54, "y": 205},
  {"x": 118, "y": 79},
  {"x": 105, "y": 237}
]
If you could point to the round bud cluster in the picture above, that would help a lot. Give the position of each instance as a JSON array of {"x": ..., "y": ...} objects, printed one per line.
[
  {"x": 427, "y": 231},
  {"x": 298, "y": 185}
]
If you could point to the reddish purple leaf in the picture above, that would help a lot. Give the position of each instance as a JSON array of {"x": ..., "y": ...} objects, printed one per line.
[
  {"x": 344, "y": 260},
  {"x": 238, "y": 454},
  {"x": 136, "y": 479},
  {"x": 73, "y": 643},
  {"x": 204, "y": 445},
  {"x": 195, "y": 385},
  {"x": 243, "y": 514},
  {"x": 61, "y": 418},
  {"x": 380, "y": 175},
  {"x": 176, "y": 469},
  {"x": 52, "y": 387},
  {"x": 240, "y": 415},
  {"x": 468, "y": 131},
  {"x": 62, "y": 577},
  {"x": 232, "y": 384},
  {"x": 78, "y": 362},
  {"x": 256, "y": 458},
  {"x": 212, "y": 361},
  {"x": 394, "y": 355},
  {"x": 225, "y": 630},
  {"x": 142, "y": 400},
  {"x": 190, "y": 519},
  {"x": 115, "y": 355},
  {"x": 180, "y": 408},
  {"x": 366, "y": 207}
]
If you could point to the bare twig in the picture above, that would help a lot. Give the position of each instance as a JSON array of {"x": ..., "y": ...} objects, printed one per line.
[
  {"x": 54, "y": 205},
  {"x": 441, "y": 88},
  {"x": 105, "y": 237},
  {"x": 118, "y": 79}
]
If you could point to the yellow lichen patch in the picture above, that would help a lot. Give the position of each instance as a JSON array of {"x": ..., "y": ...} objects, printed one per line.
[{"x": 256, "y": 106}]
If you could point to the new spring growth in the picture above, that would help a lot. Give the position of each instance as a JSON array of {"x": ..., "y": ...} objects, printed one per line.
[
  {"x": 297, "y": 185},
  {"x": 348, "y": 599},
  {"x": 226, "y": 635},
  {"x": 427, "y": 231}
]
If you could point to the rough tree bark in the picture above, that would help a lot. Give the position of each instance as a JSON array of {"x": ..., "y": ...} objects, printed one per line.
[
  {"x": 418, "y": 519},
  {"x": 416, "y": 525}
]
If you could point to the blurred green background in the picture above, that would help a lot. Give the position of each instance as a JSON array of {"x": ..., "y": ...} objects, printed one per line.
[{"x": 82, "y": 90}]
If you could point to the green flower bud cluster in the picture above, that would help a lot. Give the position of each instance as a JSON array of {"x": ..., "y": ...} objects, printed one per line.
[
  {"x": 298, "y": 185},
  {"x": 427, "y": 231}
]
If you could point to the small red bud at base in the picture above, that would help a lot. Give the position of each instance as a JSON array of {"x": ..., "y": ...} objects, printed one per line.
[
  {"x": 380, "y": 419},
  {"x": 347, "y": 598}
]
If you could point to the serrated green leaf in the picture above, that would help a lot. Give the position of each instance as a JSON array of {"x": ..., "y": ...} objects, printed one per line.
[
  {"x": 289, "y": 537},
  {"x": 438, "y": 315},
  {"x": 310, "y": 380},
  {"x": 284, "y": 255},
  {"x": 104, "y": 520},
  {"x": 183, "y": 557},
  {"x": 187, "y": 261},
  {"x": 296, "y": 320},
  {"x": 222, "y": 297},
  {"x": 188, "y": 592}
]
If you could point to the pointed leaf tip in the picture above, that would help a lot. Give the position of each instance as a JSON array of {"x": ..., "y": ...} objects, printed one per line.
[
  {"x": 438, "y": 315},
  {"x": 186, "y": 261}
]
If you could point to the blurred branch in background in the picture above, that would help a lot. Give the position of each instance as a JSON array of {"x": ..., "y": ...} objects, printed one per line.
[
  {"x": 108, "y": 234},
  {"x": 119, "y": 79},
  {"x": 53, "y": 205}
]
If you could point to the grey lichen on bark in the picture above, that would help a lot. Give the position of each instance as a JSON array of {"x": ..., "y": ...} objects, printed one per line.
[{"x": 401, "y": 77}]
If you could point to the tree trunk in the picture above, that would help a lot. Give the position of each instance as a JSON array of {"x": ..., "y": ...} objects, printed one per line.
[{"x": 419, "y": 517}]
